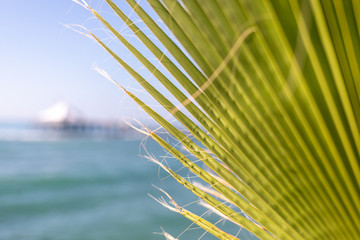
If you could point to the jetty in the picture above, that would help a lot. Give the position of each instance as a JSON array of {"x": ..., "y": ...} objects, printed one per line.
[{"x": 67, "y": 119}]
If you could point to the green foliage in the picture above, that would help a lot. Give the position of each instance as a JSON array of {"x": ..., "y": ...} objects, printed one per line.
[{"x": 274, "y": 87}]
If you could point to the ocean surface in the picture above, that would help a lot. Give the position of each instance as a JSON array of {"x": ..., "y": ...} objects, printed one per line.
[{"x": 65, "y": 188}]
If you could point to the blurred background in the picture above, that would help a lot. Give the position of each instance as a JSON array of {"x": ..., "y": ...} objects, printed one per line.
[{"x": 70, "y": 168}]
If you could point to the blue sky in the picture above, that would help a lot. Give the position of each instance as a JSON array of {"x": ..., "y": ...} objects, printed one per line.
[{"x": 42, "y": 62}]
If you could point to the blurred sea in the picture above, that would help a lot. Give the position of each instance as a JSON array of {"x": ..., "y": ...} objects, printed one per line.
[{"x": 59, "y": 188}]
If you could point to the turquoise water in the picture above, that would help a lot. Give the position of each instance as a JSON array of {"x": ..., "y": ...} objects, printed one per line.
[{"x": 84, "y": 189}]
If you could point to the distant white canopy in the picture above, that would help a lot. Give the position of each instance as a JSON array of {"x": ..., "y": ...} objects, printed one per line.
[{"x": 61, "y": 112}]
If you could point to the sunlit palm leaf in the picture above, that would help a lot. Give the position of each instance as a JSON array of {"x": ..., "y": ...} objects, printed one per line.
[{"x": 275, "y": 86}]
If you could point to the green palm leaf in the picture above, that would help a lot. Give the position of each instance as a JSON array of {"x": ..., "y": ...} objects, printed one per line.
[{"x": 273, "y": 88}]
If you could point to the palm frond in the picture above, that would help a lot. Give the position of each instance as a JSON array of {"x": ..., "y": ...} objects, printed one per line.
[{"x": 273, "y": 88}]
